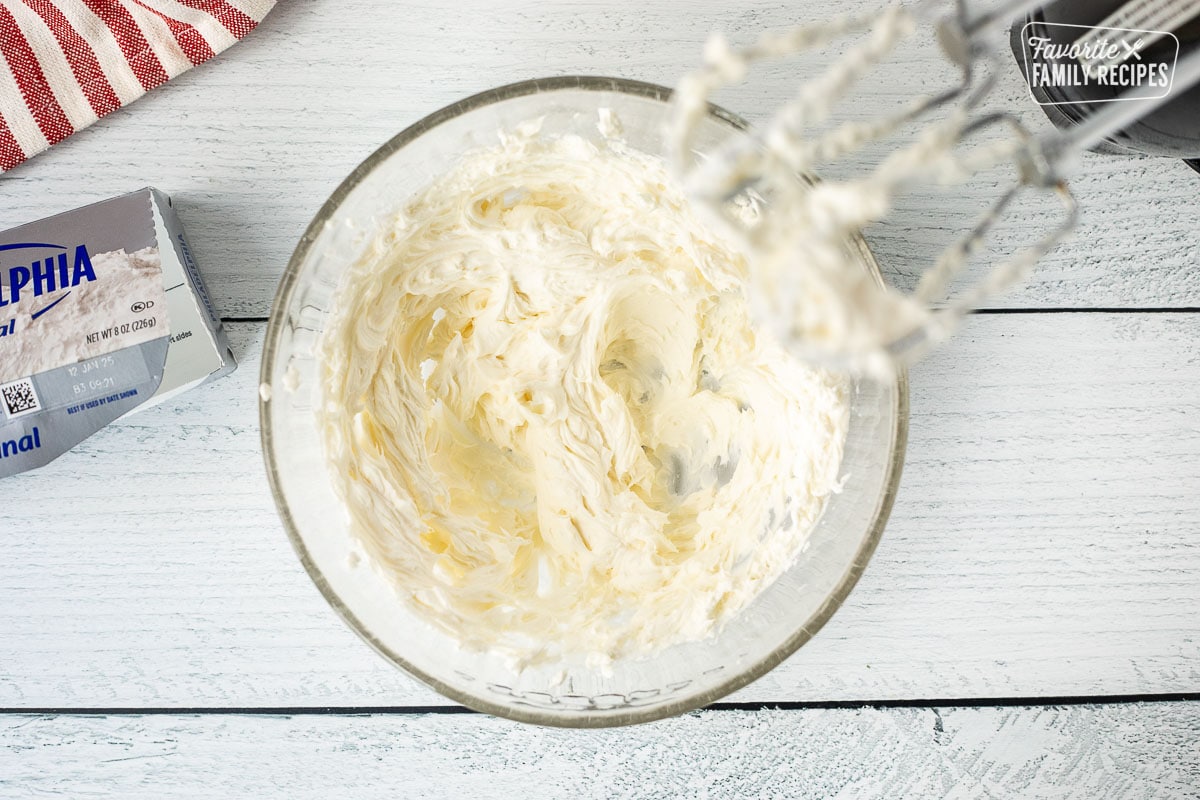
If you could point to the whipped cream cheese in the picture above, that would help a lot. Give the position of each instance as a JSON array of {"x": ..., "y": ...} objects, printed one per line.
[
  {"x": 550, "y": 418},
  {"x": 806, "y": 287}
]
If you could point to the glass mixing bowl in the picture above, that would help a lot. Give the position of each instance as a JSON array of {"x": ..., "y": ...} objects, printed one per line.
[{"x": 678, "y": 679}]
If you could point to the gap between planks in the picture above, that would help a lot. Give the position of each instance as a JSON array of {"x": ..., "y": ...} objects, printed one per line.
[
  {"x": 800, "y": 705},
  {"x": 1010, "y": 311}
]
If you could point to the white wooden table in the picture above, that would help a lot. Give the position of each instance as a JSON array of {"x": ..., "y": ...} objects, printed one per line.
[{"x": 1030, "y": 626}]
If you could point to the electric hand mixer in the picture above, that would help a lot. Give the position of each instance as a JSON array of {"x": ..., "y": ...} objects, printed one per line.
[{"x": 796, "y": 230}]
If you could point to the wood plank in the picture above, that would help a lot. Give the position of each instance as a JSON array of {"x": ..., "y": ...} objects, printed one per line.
[
  {"x": 1044, "y": 544},
  {"x": 252, "y": 144},
  {"x": 1115, "y": 752}
]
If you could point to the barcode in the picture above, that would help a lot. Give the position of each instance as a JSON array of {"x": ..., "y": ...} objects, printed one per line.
[{"x": 19, "y": 398}]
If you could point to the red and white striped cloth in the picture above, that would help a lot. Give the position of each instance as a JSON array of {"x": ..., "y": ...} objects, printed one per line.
[{"x": 66, "y": 63}]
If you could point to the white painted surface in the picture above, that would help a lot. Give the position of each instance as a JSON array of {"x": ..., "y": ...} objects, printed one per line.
[
  {"x": 1111, "y": 752},
  {"x": 252, "y": 144},
  {"x": 1045, "y": 541}
]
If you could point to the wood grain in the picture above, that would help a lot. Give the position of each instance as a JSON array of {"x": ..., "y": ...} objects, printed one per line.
[
  {"x": 1115, "y": 752},
  {"x": 1045, "y": 543},
  {"x": 252, "y": 144}
]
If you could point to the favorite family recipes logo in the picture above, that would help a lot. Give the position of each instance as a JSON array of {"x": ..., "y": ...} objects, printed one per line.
[{"x": 1090, "y": 64}]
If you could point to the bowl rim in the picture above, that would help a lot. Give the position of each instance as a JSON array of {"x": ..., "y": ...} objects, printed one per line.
[{"x": 573, "y": 718}]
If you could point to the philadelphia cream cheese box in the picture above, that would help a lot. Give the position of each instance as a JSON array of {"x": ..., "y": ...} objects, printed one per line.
[{"x": 102, "y": 311}]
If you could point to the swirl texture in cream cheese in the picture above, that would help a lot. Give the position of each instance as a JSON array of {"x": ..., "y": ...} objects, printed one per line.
[{"x": 550, "y": 419}]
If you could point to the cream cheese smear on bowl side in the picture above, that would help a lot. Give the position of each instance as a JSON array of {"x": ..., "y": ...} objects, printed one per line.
[{"x": 550, "y": 418}]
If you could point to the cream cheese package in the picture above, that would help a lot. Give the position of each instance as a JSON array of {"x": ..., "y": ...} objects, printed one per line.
[{"x": 102, "y": 311}]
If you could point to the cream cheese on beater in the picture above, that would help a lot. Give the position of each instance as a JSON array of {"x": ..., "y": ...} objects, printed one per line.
[
  {"x": 550, "y": 418},
  {"x": 806, "y": 284}
]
